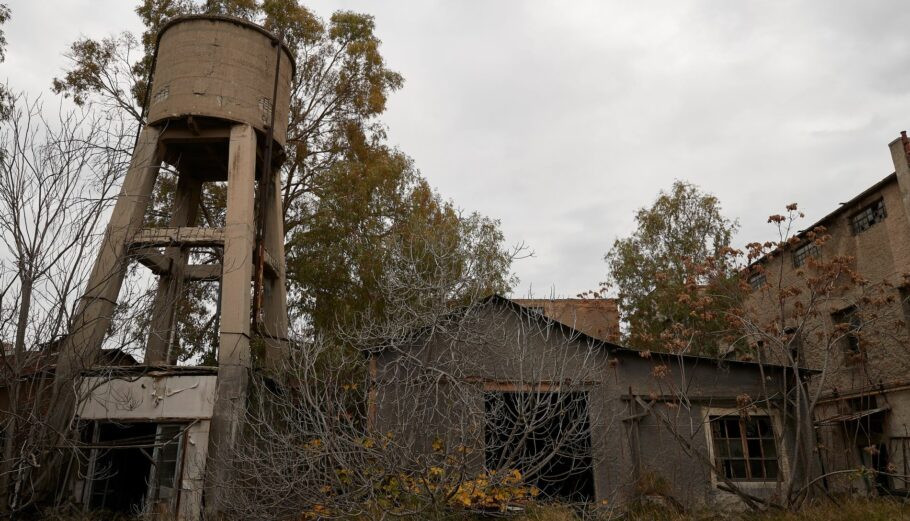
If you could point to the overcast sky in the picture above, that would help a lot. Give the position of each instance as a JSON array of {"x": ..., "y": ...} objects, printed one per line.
[{"x": 562, "y": 118}]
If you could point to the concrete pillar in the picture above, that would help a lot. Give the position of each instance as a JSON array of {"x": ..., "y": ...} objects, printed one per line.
[
  {"x": 81, "y": 347},
  {"x": 94, "y": 310},
  {"x": 234, "y": 343},
  {"x": 274, "y": 301},
  {"x": 162, "y": 330}
]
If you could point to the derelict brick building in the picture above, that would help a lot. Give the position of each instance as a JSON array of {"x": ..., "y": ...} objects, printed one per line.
[
  {"x": 863, "y": 416},
  {"x": 595, "y": 317}
]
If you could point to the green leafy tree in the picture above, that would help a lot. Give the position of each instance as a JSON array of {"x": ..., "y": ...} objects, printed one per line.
[
  {"x": 348, "y": 197},
  {"x": 6, "y": 101},
  {"x": 673, "y": 275}
]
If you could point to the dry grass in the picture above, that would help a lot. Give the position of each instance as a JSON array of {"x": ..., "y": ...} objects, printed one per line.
[{"x": 847, "y": 510}]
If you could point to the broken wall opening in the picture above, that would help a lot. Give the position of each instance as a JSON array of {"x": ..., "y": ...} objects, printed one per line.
[
  {"x": 133, "y": 467},
  {"x": 544, "y": 435}
]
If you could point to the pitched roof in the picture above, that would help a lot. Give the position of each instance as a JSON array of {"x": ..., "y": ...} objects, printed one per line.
[
  {"x": 615, "y": 347},
  {"x": 844, "y": 207}
]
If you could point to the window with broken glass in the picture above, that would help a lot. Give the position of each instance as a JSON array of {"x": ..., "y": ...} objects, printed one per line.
[
  {"x": 868, "y": 216},
  {"x": 132, "y": 466},
  {"x": 744, "y": 447},
  {"x": 167, "y": 462},
  {"x": 853, "y": 323},
  {"x": 801, "y": 254}
]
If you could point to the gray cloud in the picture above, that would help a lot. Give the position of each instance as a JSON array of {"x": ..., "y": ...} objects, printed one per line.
[{"x": 561, "y": 119}]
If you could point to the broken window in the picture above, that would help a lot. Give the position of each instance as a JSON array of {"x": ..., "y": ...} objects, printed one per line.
[
  {"x": 904, "y": 292},
  {"x": 133, "y": 467},
  {"x": 794, "y": 338},
  {"x": 802, "y": 253},
  {"x": 868, "y": 216},
  {"x": 850, "y": 323},
  {"x": 166, "y": 463},
  {"x": 544, "y": 435},
  {"x": 744, "y": 447}
]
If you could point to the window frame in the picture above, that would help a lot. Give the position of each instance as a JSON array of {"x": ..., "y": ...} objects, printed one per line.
[
  {"x": 801, "y": 253},
  {"x": 783, "y": 465},
  {"x": 796, "y": 343},
  {"x": 757, "y": 280},
  {"x": 851, "y": 342},
  {"x": 868, "y": 216},
  {"x": 168, "y": 451}
]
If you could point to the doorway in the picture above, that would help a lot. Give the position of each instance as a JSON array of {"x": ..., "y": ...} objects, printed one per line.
[
  {"x": 544, "y": 435},
  {"x": 133, "y": 467}
]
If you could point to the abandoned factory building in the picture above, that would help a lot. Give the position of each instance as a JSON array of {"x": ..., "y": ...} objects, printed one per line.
[
  {"x": 538, "y": 386},
  {"x": 582, "y": 418},
  {"x": 863, "y": 413}
]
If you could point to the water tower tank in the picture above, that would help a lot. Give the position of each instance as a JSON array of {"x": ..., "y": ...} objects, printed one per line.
[{"x": 220, "y": 67}]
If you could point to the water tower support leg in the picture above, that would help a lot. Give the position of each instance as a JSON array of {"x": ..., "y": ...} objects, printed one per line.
[{"x": 234, "y": 344}]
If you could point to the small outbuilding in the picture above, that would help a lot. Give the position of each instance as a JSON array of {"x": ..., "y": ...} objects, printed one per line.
[{"x": 583, "y": 419}]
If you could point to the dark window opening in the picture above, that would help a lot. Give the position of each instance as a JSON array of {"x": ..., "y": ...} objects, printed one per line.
[
  {"x": 904, "y": 293},
  {"x": 133, "y": 467},
  {"x": 545, "y": 436},
  {"x": 795, "y": 344},
  {"x": 744, "y": 448},
  {"x": 851, "y": 323},
  {"x": 861, "y": 403},
  {"x": 757, "y": 280},
  {"x": 868, "y": 216},
  {"x": 878, "y": 454},
  {"x": 802, "y": 253}
]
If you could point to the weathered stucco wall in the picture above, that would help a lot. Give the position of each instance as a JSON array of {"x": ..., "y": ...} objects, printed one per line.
[{"x": 160, "y": 398}]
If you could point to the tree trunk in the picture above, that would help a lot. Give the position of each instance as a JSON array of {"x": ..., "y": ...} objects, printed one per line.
[{"x": 11, "y": 434}]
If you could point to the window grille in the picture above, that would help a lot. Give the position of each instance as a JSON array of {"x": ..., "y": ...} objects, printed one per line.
[
  {"x": 868, "y": 216},
  {"x": 744, "y": 447},
  {"x": 802, "y": 253}
]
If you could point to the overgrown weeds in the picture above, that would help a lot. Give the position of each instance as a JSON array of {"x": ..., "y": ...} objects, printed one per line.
[{"x": 847, "y": 509}]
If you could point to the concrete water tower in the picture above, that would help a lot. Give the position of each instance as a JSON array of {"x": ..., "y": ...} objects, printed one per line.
[{"x": 217, "y": 111}]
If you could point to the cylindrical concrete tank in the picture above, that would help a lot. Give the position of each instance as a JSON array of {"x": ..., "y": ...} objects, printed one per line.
[{"x": 220, "y": 67}]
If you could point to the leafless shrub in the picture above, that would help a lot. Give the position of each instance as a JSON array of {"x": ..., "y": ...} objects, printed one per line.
[{"x": 58, "y": 175}]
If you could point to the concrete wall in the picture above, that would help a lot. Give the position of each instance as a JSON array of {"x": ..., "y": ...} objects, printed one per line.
[
  {"x": 506, "y": 350},
  {"x": 161, "y": 398}
]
